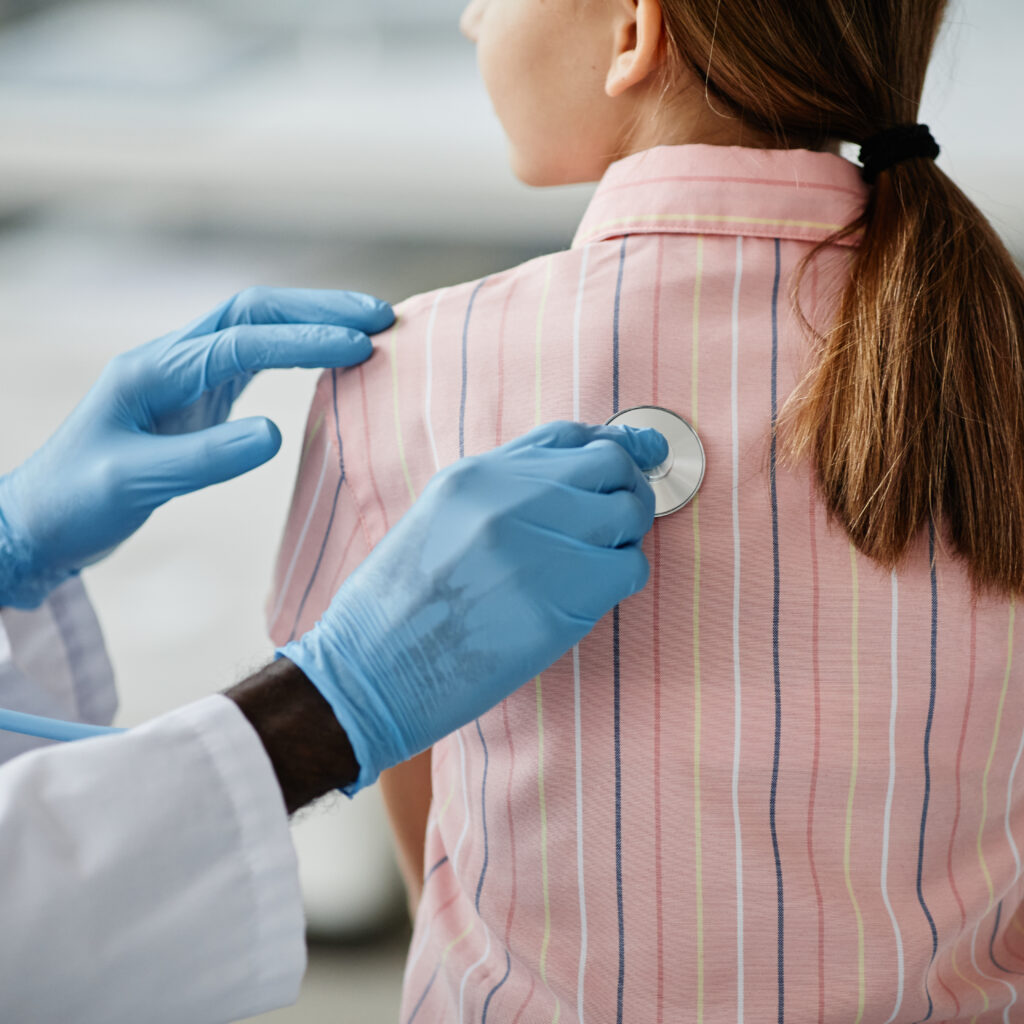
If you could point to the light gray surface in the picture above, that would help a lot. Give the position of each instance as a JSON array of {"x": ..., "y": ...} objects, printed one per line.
[{"x": 349, "y": 985}]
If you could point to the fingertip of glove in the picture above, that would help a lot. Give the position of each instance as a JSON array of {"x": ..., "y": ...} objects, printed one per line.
[
  {"x": 379, "y": 314},
  {"x": 357, "y": 348},
  {"x": 263, "y": 437},
  {"x": 651, "y": 448}
]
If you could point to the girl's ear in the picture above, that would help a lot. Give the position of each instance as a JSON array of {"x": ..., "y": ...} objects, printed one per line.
[{"x": 639, "y": 45}]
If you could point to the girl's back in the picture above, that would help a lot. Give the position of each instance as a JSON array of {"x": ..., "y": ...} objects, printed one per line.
[
  {"x": 778, "y": 781},
  {"x": 782, "y": 779}
]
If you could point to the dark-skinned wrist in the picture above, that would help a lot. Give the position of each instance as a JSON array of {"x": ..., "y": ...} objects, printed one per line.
[{"x": 310, "y": 752}]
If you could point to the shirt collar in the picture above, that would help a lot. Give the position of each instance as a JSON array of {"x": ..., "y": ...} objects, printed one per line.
[{"x": 726, "y": 190}]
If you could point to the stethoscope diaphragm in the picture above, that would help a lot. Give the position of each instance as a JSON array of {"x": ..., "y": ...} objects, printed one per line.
[{"x": 677, "y": 480}]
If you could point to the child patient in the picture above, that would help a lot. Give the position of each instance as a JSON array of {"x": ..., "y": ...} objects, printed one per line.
[{"x": 780, "y": 782}]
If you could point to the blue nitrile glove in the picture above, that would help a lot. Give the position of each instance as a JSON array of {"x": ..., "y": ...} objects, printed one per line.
[
  {"x": 505, "y": 562},
  {"x": 153, "y": 427}
]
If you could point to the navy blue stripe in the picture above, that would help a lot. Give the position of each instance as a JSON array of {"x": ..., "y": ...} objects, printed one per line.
[
  {"x": 490, "y": 995},
  {"x": 334, "y": 509},
  {"x": 465, "y": 369},
  {"x": 616, "y": 665},
  {"x": 618, "y": 811},
  {"x": 419, "y": 1002},
  {"x": 430, "y": 873},
  {"x": 775, "y": 632},
  {"x": 992, "y": 942},
  {"x": 927, "y": 767},
  {"x": 483, "y": 815},
  {"x": 615, "y": 330}
]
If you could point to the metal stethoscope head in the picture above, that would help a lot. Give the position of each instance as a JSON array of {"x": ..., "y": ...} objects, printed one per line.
[{"x": 677, "y": 480}]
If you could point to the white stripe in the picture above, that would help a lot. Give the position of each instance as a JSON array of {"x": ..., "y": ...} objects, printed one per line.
[
  {"x": 894, "y": 675},
  {"x": 1009, "y": 1005},
  {"x": 465, "y": 803},
  {"x": 577, "y": 702},
  {"x": 415, "y": 955},
  {"x": 737, "y": 688},
  {"x": 470, "y": 970},
  {"x": 579, "y": 830},
  {"x": 429, "y": 381},
  {"x": 428, "y": 390},
  {"x": 1009, "y": 801},
  {"x": 974, "y": 962},
  {"x": 283, "y": 592},
  {"x": 576, "y": 336},
  {"x": 1013, "y": 846}
]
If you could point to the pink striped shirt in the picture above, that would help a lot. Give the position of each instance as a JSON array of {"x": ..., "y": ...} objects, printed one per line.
[{"x": 780, "y": 783}]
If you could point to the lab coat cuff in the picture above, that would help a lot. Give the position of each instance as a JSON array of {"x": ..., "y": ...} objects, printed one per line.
[{"x": 265, "y": 847}]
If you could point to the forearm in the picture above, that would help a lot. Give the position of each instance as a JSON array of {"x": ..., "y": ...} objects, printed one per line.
[
  {"x": 407, "y": 794},
  {"x": 308, "y": 749}
]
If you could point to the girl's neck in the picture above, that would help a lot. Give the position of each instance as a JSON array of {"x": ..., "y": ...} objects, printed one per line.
[{"x": 693, "y": 116}]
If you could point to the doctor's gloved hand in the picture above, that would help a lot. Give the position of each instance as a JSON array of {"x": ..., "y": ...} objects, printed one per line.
[
  {"x": 506, "y": 561},
  {"x": 153, "y": 427}
]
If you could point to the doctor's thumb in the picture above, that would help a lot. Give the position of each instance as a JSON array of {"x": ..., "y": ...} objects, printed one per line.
[
  {"x": 219, "y": 453},
  {"x": 647, "y": 446}
]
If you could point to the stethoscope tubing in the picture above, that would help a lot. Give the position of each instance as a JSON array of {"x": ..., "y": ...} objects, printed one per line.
[{"x": 51, "y": 728}]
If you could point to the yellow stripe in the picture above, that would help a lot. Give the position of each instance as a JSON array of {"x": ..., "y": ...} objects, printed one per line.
[
  {"x": 537, "y": 346},
  {"x": 458, "y": 938},
  {"x": 956, "y": 967},
  {"x": 309, "y": 440},
  {"x": 540, "y": 692},
  {"x": 398, "y": 418},
  {"x": 853, "y": 785},
  {"x": 543, "y": 834},
  {"x": 988, "y": 769},
  {"x": 698, "y": 839},
  {"x": 690, "y": 218},
  {"x": 991, "y": 758},
  {"x": 447, "y": 803}
]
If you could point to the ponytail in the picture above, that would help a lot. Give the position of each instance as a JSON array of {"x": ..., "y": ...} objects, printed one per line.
[{"x": 914, "y": 411}]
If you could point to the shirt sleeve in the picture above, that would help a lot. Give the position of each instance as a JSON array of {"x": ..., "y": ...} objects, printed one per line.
[
  {"x": 53, "y": 662},
  {"x": 149, "y": 876}
]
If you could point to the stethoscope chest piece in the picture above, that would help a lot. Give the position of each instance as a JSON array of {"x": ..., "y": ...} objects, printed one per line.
[{"x": 677, "y": 480}]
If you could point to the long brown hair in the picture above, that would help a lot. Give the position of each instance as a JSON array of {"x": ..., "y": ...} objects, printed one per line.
[{"x": 915, "y": 407}]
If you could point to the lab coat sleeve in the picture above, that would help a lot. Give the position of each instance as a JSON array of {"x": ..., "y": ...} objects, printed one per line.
[
  {"x": 53, "y": 662},
  {"x": 149, "y": 876}
]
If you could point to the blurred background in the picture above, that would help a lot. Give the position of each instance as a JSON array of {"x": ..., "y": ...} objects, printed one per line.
[{"x": 156, "y": 157}]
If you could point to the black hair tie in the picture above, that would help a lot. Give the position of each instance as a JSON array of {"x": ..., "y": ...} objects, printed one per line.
[{"x": 893, "y": 146}]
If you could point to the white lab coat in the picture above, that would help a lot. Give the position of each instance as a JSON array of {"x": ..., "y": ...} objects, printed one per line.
[{"x": 145, "y": 877}]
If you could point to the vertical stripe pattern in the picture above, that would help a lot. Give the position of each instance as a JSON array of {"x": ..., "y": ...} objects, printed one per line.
[
  {"x": 737, "y": 734},
  {"x": 780, "y": 911},
  {"x": 698, "y": 831},
  {"x": 617, "y": 676},
  {"x": 781, "y": 782}
]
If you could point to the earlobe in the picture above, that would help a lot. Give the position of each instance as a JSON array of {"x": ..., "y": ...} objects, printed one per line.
[{"x": 638, "y": 46}]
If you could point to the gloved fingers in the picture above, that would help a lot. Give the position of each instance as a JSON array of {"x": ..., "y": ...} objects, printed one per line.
[
  {"x": 598, "y": 578},
  {"x": 178, "y": 464},
  {"x": 307, "y": 306},
  {"x": 191, "y": 367},
  {"x": 646, "y": 447},
  {"x": 602, "y": 520},
  {"x": 616, "y": 520},
  {"x": 603, "y": 466}
]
